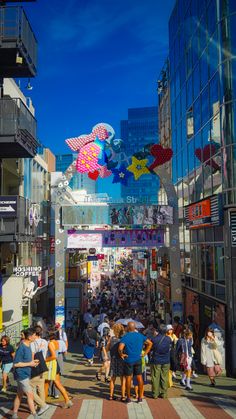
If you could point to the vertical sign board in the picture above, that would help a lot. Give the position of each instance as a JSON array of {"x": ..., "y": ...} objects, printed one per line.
[
  {"x": 233, "y": 228},
  {"x": 60, "y": 315},
  {"x": 205, "y": 213}
]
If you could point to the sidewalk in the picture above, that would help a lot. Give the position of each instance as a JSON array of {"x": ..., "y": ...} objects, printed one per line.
[{"x": 90, "y": 398}]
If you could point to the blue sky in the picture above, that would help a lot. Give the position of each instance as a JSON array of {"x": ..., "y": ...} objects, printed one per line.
[{"x": 96, "y": 59}]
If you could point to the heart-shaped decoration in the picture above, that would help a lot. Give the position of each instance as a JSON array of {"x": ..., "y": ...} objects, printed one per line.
[
  {"x": 206, "y": 153},
  {"x": 93, "y": 175},
  {"x": 162, "y": 155},
  {"x": 104, "y": 172}
]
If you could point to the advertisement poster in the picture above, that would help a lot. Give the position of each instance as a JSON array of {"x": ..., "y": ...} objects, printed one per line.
[
  {"x": 77, "y": 240},
  {"x": 60, "y": 315}
]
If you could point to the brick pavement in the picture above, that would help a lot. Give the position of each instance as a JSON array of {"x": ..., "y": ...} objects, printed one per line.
[{"x": 90, "y": 398}]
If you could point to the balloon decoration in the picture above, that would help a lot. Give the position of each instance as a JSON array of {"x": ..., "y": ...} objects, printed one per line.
[
  {"x": 138, "y": 167},
  {"x": 100, "y": 154}
]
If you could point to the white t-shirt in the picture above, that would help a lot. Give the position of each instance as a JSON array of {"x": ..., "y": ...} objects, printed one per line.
[
  {"x": 39, "y": 345},
  {"x": 62, "y": 346},
  {"x": 101, "y": 327}
]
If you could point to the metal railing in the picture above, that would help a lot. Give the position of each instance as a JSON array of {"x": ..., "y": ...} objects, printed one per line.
[
  {"x": 15, "y": 116},
  {"x": 15, "y": 27},
  {"x": 13, "y": 331}
]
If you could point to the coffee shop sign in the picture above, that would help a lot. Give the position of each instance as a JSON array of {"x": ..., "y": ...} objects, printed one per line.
[{"x": 27, "y": 270}]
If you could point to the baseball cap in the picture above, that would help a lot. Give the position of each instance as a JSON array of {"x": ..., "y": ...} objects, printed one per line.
[{"x": 169, "y": 327}]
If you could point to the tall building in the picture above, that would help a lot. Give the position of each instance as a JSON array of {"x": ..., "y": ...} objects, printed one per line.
[
  {"x": 140, "y": 129},
  {"x": 202, "y": 84},
  {"x": 79, "y": 180}
]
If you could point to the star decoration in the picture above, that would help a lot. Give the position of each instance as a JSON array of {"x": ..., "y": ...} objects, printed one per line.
[
  {"x": 138, "y": 167},
  {"x": 121, "y": 175}
]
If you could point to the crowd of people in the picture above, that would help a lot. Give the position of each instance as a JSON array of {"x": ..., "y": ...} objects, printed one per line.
[{"x": 129, "y": 341}]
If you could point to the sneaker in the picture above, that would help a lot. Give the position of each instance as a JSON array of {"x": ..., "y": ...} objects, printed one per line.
[
  {"x": 15, "y": 416},
  {"x": 56, "y": 396},
  {"x": 194, "y": 375},
  {"x": 68, "y": 405},
  {"x": 188, "y": 388},
  {"x": 174, "y": 375},
  {"x": 128, "y": 400},
  {"x": 43, "y": 409},
  {"x": 182, "y": 383},
  {"x": 4, "y": 390},
  {"x": 139, "y": 401}
]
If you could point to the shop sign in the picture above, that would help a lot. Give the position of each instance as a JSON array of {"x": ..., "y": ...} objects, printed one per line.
[
  {"x": 27, "y": 270},
  {"x": 154, "y": 260},
  {"x": 52, "y": 245},
  {"x": 8, "y": 206},
  {"x": 91, "y": 258},
  {"x": 77, "y": 240},
  {"x": 34, "y": 215},
  {"x": 233, "y": 228},
  {"x": 205, "y": 213}
]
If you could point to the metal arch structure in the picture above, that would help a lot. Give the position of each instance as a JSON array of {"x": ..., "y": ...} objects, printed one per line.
[
  {"x": 174, "y": 253},
  {"x": 61, "y": 195}
]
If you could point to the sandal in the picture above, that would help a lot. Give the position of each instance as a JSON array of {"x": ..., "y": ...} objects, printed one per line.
[
  {"x": 111, "y": 398},
  {"x": 98, "y": 376},
  {"x": 123, "y": 399}
]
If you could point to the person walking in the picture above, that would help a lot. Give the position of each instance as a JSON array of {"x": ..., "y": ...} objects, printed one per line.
[
  {"x": 53, "y": 373},
  {"x": 37, "y": 381},
  {"x": 160, "y": 363},
  {"x": 90, "y": 340},
  {"x": 7, "y": 354},
  {"x": 117, "y": 363},
  {"x": 173, "y": 364},
  {"x": 22, "y": 364},
  {"x": 133, "y": 343},
  {"x": 210, "y": 356},
  {"x": 184, "y": 349}
]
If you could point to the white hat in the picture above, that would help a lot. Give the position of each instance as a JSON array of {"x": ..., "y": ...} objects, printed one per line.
[{"x": 169, "y": 327}]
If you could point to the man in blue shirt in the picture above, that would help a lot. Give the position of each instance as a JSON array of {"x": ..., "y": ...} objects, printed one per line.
[
  {"x": 160, "y": 363},
  {"x": 23, "y": 362},
  {"x": 133, "y": 343}
]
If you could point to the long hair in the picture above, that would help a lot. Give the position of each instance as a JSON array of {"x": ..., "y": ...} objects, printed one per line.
[{"x": 209, "y": 329}]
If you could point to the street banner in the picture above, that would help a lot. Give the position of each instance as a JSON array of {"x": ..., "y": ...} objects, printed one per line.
[
  {"x": 117, "y": 214},
  {"x": 116, "y": 238},
  {"x": 8, "y": 206}
]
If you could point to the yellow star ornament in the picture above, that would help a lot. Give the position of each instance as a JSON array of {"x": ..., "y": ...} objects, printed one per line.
[{"x": 138, "y": 167}]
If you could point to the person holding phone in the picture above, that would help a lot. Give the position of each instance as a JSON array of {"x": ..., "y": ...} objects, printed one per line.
[{"x": 210, "y": 355}]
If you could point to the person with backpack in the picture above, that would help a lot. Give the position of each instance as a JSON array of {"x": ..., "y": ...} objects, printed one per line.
[
  {"x": 117, "y": 363},
  {"x": 90, "y": 343}
]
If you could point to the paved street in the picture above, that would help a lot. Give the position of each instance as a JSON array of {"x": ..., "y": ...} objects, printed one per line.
[{"x": 90, "y": 399}]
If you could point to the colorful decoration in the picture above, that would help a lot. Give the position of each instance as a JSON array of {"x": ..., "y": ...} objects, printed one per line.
[
  {"x": 99, "y": 154},
  {"x": 138, "y": 167},
  {"x": 162, "y": 155},
  {"x": 121, "y": 175}
]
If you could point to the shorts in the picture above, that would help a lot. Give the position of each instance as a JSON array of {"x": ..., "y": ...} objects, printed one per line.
[
  {"x": 7, "y": 367},
  {"x": 24, "y": 386},
  {"x": 133, "y": 369}
]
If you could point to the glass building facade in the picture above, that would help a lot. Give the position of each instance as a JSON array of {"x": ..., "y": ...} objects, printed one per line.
[
  {"x": 202, "y": 57},
  {"x": 140, "y": 129}
]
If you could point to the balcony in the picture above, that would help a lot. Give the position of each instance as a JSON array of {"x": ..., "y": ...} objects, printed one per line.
[
  {"x": 18, "y": 45},
  {"x": 14, "y": 224},
  {"x": 17, "y": 129}
]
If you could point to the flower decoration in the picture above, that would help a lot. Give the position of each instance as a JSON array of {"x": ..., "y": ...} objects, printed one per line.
[
  {"x": 121, "y": 175},
  {"x": 138, "y": 167}
]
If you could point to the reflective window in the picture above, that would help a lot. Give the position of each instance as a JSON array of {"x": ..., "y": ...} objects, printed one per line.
[
  {"x": 196, "y": 82},
  {"x": 213, "y": 51},
  {"x": 205, "y": 106},
  {"x": 211, "y": 17},
  {"x": 197, "y": 115},
  {"x": 189, "y": 92},
  {"x": 204, "y": 68}
]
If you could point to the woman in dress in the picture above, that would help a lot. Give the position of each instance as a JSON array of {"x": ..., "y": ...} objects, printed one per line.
[
  {"x": 53, "y": 373},
  {"x": 117, "y": 363},
  {"x": 184, "y": 351},
  {"x": 210, "y": 355}
]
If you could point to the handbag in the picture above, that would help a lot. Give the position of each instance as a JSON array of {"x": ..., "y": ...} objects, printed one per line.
[{"x": 41, "y": 367}]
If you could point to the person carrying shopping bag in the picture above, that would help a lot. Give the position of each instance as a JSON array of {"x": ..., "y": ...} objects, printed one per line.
[{"x": 211, "y": 358}]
